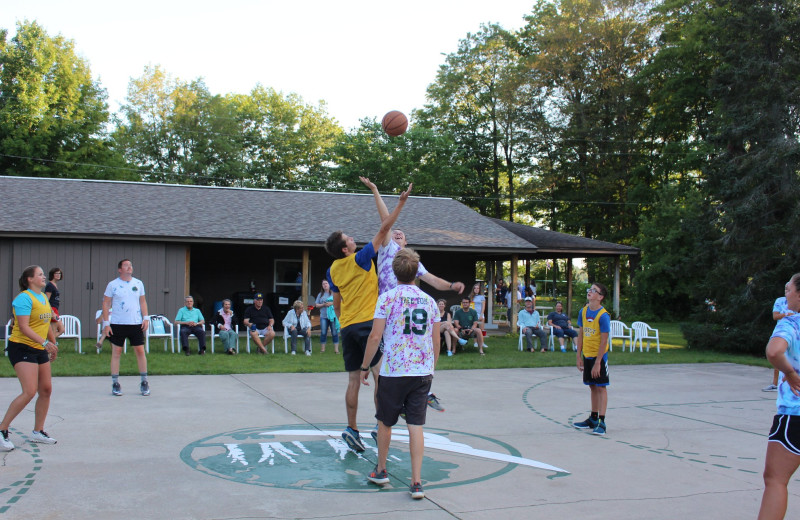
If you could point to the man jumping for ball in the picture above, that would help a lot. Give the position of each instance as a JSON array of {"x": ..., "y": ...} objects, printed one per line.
[{"x": 354, "y": 282}]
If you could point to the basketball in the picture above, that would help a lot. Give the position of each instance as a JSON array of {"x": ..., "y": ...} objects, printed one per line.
[{"x": 394, "y": 123}]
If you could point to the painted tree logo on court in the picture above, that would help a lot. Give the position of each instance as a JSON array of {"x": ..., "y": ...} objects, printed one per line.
[{"x": 316, "y": 458}]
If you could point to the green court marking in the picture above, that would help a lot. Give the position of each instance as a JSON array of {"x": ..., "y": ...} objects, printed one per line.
[
  {"x": 310, "y": 457},
  {"x": 21, "y": 487},
  {"x": 655, "y": 408}
]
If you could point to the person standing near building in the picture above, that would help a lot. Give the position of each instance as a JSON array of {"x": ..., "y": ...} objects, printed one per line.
[
  {"x": 54, "y": 296},
  {"x": 407, "y": 321},
  {"x": 594, "y": 325},
  {"x": 31, "y": 348},
  {"x": 354, "y": 282},
  {"x": 128, "y": 321}
]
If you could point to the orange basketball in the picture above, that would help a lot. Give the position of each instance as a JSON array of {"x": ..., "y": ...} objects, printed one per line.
[{"x": 394, "y": 123}]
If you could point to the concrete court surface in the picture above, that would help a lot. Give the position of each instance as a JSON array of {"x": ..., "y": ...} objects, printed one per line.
[{"x": 683, "y": 441}]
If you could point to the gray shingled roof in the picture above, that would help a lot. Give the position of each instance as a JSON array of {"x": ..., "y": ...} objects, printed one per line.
[
  {"x": 133, "y": 210},
  {"x": 562, "y": 244}
]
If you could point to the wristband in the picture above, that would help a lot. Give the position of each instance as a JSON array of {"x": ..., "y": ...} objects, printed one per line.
[
  {"x": 451, "y": 285},
  {"x": 106, "y": 324},
  {"x": 365, "y": 369},
  {"x": 45, "y": 342}
]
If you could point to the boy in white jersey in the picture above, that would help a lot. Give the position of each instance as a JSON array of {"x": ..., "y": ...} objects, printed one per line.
[
  {"x": 387, "y": 280},
  {"x": 407, "y": 320}
]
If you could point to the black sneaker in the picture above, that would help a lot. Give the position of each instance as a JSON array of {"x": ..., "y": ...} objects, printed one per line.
[
  {"x": 378, "y": 477},
  {"x": 116, "y": 389},
  {"x": 144, "y": 387},
  {"x": 416, "y": 491}
]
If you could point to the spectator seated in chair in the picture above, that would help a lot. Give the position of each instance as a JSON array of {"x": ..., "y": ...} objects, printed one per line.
[
  {"x": 297, "y": 322},
  {"x": 259, "y": 322},
  {"x": 225, "y": 322},
  {"x": 190, "y": 321},
  {"x": 529, "y": 322},
  {"x": 561, "y": 326},
  {"x": 467, "y": 323}
]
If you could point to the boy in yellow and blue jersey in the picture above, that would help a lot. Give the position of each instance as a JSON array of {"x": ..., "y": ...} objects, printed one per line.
[
  {"x": 594, "y": 325},
  {"x": 354, "y": 283}
]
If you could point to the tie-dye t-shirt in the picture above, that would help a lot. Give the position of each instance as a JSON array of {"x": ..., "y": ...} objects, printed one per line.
[
  {"x": 789, "y": 329},
  {"x": 386, "y": 278},
  {"x": 780, "y": 306},
  {"x": 407, "y": 338}
]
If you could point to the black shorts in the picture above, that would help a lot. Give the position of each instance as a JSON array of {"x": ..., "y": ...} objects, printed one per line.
[
  {"x": 588, "y": 363},
  {"x": 398, "y": 393},
  {"x": 20, "y": 352},
  {"x": 467, "y": 333},
  {"x": 133, "y": 333},
  {"x": 354, "y": 344},
  {"x": 785, "y": 430}
]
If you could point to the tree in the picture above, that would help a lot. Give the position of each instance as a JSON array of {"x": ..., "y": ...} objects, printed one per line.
[
  {"x": 52, "y": 113},
  {"x": 480, "y": 98},
  {"x": 587, "y": 54}
]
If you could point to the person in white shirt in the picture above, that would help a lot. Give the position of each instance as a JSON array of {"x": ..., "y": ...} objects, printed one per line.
[{"x": 129, "y": 321}]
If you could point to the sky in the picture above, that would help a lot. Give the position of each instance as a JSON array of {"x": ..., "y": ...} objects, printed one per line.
[{"x": 362, "y": 57}]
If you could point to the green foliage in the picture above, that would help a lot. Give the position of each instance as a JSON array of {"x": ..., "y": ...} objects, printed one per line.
[
  {"x": 52, "y": 113},
  {"x": 179, "y": 132}
]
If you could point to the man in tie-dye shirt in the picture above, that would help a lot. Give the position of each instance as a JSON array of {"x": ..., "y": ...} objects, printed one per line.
[{"x": 407, "y": 320}]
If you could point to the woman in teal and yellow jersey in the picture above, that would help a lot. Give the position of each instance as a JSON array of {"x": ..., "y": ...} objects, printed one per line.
[{"x": 31, "y": 348}]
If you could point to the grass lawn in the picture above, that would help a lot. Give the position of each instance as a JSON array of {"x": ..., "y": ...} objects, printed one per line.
[{"x": 501, "y": 353}]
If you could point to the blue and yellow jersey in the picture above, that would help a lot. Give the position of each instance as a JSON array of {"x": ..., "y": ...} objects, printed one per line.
[
  {"x": 593, "y": 323},
  {"x": 356, "y": 280},
  {"x": 28, "y": 303}
]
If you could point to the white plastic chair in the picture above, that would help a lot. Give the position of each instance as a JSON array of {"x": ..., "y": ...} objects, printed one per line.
[
  {"x": 247, "y": 332},
  {"x": 287, "y": 336},
  {"x": 168, "y": 332},
  {"x": 552, "y": 341},
  {"x": 643, "y": 331},
  {"x": 8, "y": 331},
  {"x": 620, "y": 331},
  {"x": 215, "y": 333},
  {"x": 72, "y": 329},
  {"x": 521, "y": 335}
]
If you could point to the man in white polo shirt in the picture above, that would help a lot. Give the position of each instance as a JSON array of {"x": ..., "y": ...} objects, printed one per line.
[{"x": 128, "y": 321}]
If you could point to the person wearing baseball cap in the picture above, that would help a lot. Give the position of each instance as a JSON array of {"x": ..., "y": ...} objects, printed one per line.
[{"x": 258, "y": 319}]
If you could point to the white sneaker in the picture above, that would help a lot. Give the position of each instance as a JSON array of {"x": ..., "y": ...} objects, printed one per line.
[
  {"x": 42, "y": 437},
  {"x": 770, "y": 388},
  {"x": 294, "y": 353},
  {"x": 308, "y": 352},
  {"x": 5, "y": 444}
]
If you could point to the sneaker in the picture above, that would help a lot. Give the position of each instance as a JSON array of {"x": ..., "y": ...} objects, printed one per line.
[
  {"x": 589, "y": 423},
  {"x": 294, "y": 353},
  {"x": 416, "y": 491},
  {"x": 116, "y": 389},
  {"x": 433, "y": 402},
  {"x": 770, "y": 388},
  {"x": 353, "y": 439},
  {"x": 378, "y": 477},
  {"x": 462, "y": 341},
  {"x": 144, "y": 387},
  {"x": 308, "y": 352},
  {"x": 5, "y": 444},
  {"x": 600, "y": 429},
  {"x": 449, "y": 354},
  {"x": 564, "y": 350},
  {"x": 374, "y": 434},
  {"x": 42, "y": 437}
]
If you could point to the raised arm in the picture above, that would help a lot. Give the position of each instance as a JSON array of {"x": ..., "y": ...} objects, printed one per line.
[
  {"x": 383, "y": 211},
  {"x": 382, "y": 237},
  {"x": 442, "y": 285}
]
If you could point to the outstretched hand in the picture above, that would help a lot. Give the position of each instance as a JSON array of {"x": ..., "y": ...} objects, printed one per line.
[
  {"x": 368, "y": 183},
  {"x": 405, "y": 194}
]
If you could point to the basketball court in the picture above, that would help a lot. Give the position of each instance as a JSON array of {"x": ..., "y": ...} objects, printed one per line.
[{"x": 683, "y": 441}]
